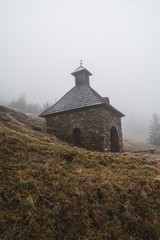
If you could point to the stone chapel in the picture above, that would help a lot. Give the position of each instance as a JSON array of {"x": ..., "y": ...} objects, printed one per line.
[{"x": 83, "y": 118}]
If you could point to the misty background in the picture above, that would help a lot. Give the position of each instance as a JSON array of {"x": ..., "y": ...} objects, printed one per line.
[{"x": 42, "y": 42}]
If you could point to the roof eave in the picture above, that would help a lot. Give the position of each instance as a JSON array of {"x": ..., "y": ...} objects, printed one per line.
[
  {"x": 109, "y": 107},
  {"x": 112, "y": 109},
  {"x": 70, "y": 110},
  {"x": 77, "y": 72}
]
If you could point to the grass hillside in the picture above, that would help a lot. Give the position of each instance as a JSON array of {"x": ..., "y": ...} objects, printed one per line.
[{"x": 52, "y": 191}]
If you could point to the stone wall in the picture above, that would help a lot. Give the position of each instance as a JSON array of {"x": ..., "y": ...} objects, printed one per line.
[
  {"x": 94, "y": 123},
  {"x": 112, "y": 120}
]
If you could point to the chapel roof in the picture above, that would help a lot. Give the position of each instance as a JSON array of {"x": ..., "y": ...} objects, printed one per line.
[{"x": 80, "y": 96}]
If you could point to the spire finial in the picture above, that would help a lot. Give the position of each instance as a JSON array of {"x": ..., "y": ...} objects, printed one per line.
[{"x": 81, "y": 62}]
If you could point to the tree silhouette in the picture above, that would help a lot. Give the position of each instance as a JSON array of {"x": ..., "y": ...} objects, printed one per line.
[
  {"x": 22, "y": 105},
  {"x": 155, "y": 130}
]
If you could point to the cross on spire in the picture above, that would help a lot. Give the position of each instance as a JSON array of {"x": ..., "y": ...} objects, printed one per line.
[{"x": 81, "y": 62}]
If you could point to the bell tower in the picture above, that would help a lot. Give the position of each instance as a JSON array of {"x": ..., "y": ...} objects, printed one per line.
[{"x": 81, "y": 75}]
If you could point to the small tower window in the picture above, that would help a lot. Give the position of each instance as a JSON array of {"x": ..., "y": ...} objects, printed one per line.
[{"x": 77, "y": 136}]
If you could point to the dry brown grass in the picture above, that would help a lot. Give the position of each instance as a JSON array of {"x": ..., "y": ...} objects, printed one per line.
[{"x": 49, "y": 190}]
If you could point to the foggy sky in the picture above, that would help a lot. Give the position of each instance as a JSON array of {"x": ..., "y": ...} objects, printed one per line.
[{"x": 42, "y": 42}]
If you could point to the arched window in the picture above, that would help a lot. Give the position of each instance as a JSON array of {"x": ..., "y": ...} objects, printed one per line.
[
  {"x": 114, "y": 140},
  {"x": 77, "y": 136}
]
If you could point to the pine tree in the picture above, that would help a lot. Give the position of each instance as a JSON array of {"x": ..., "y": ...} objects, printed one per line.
[{"x": 155, "y": 130}]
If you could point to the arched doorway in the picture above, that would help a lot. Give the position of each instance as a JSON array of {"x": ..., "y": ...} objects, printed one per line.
[
  {"x": 114, "y": 140},
  {"x": 77, "y": 136}
]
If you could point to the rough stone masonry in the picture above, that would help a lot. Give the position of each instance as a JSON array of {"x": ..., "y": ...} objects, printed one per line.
[{"x": 83, "y": 118}]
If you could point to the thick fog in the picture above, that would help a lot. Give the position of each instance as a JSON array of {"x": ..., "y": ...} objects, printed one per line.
[{"x": 42, "y": 42}]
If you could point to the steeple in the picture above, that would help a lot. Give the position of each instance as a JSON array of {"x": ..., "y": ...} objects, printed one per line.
[{"x": 81, "y": 75}]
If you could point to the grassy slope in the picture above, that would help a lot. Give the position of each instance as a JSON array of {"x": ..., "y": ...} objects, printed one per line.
[{"x": 49, "y": 190}]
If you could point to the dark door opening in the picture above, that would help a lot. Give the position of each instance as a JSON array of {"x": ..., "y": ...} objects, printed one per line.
[
  {"x": 114, "y": 140},
  {"x": 77, "y": 136}
]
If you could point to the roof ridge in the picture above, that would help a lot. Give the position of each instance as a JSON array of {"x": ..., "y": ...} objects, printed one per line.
[
  {"x": 97, "y": 94},
  {"x": 79, "y": 67}
]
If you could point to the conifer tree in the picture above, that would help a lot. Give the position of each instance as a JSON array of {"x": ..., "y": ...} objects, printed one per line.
[{"x": 155, "y": 130}]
